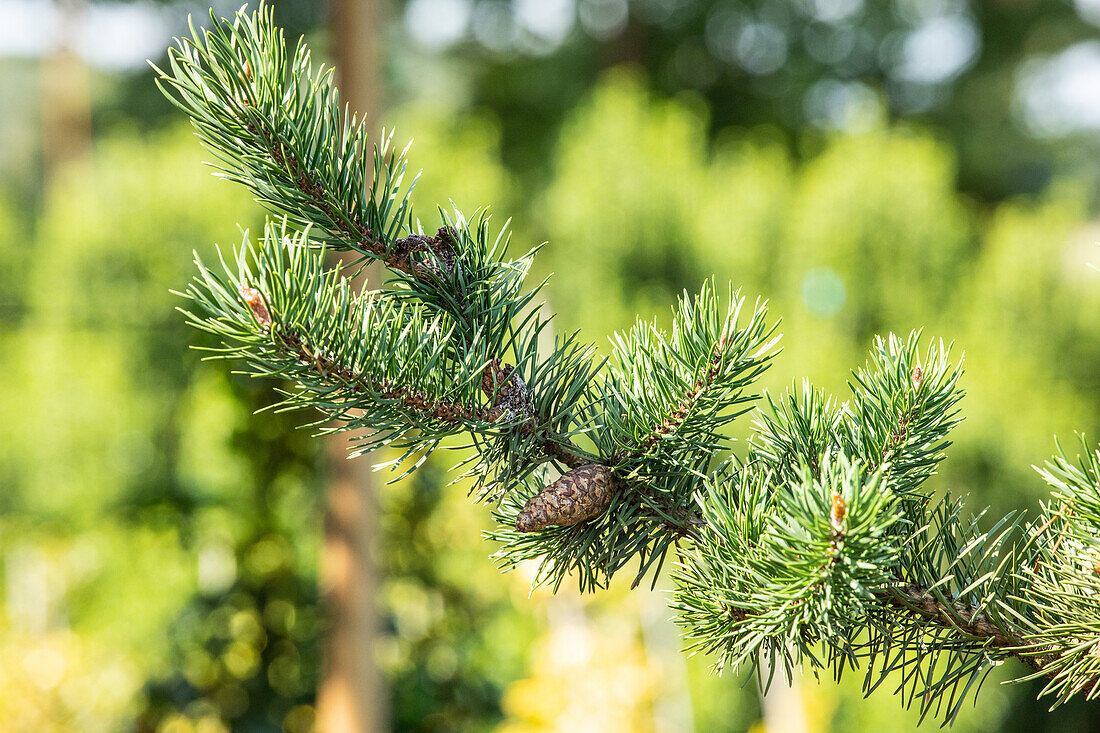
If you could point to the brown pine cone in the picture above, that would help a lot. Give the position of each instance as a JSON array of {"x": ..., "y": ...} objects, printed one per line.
[{"x": 580, "y": 494}]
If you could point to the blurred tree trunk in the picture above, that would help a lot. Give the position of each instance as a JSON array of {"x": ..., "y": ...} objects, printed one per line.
[
  {"x": 352, "y": 698},
  {"x": 66, "y": 101},
  {"x": 629, "y": 48}
]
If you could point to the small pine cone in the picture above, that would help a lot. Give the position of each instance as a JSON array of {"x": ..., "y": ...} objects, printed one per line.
[
  {"x": 511, "y": 398},
  {"x": 497, "y": 381},
  {"x": 580, "y": 494}
]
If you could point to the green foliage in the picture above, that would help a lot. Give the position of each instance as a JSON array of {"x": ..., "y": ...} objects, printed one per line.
[
  {"x": 249, "y": 653},
  {"x": 1064, "y": 578},
  {"x": 824, "y": 537},
  {"x": 157, "y": 491},
  {"x": 453, "y": 291},
  {"x": 277, "y": 127},
  {"x": 13, "y": 262},
  {"x": 639, "y": 165},
  {"x": 452, "y": 638},
  {"x": 776, "y": 575},
  {"x": 448, "y": 141},
  {"x": 895, "y": 235},
  {"x": 823, "y": 546},
  {"x": 344, "y": 353},
  {"x": 99, "y": 320},
  {"x": 638, "y": 210},
  {"x": 1028, "y": 314}
]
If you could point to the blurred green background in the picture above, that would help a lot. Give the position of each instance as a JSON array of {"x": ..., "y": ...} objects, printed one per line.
[{"x": 865, "y": 165}]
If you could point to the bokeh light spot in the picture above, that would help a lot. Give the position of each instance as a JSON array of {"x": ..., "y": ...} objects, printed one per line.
[{"x": 823, "y": 292}]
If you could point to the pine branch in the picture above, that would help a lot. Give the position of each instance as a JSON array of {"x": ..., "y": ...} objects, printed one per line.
[
  {"x": 670, "y": 395},
  {"x": 465, "y": 328},
  {"x": 642, "y": 521},
  {"x": 366, "y": 360},
  {"x": 276, "y": 126},
  {"x": 903, "y": 406},
  {"x": 1063, "y": 580},
  {"x": 966, "y": 618},
  {"x": 821, "y": 547},
  {"x": 949, "y": 616},
  {"x": 950, "y": 600},
  {"x": 783, "y": 564}
]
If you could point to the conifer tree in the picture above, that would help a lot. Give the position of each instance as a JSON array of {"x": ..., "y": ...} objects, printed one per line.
[{"x": 820, "y": 548}]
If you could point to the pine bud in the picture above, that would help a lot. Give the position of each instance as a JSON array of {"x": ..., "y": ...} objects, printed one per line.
[
  {"x": 245, "y": 75},
  {"x": 580, "y": 494},
  {"x": 917, "y": 376},
  {"x": 255, "y": 301},
  {"x": 840, "y": 510}
]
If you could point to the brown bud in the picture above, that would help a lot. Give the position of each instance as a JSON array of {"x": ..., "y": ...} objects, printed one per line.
[
  {"x": 247, "y": 71},
  {"x": 917, "y": 376},
  {"x": 255, "y": 301},
  {"x": 580, "y": 494},
  {"x": 840, "y": 510}
]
